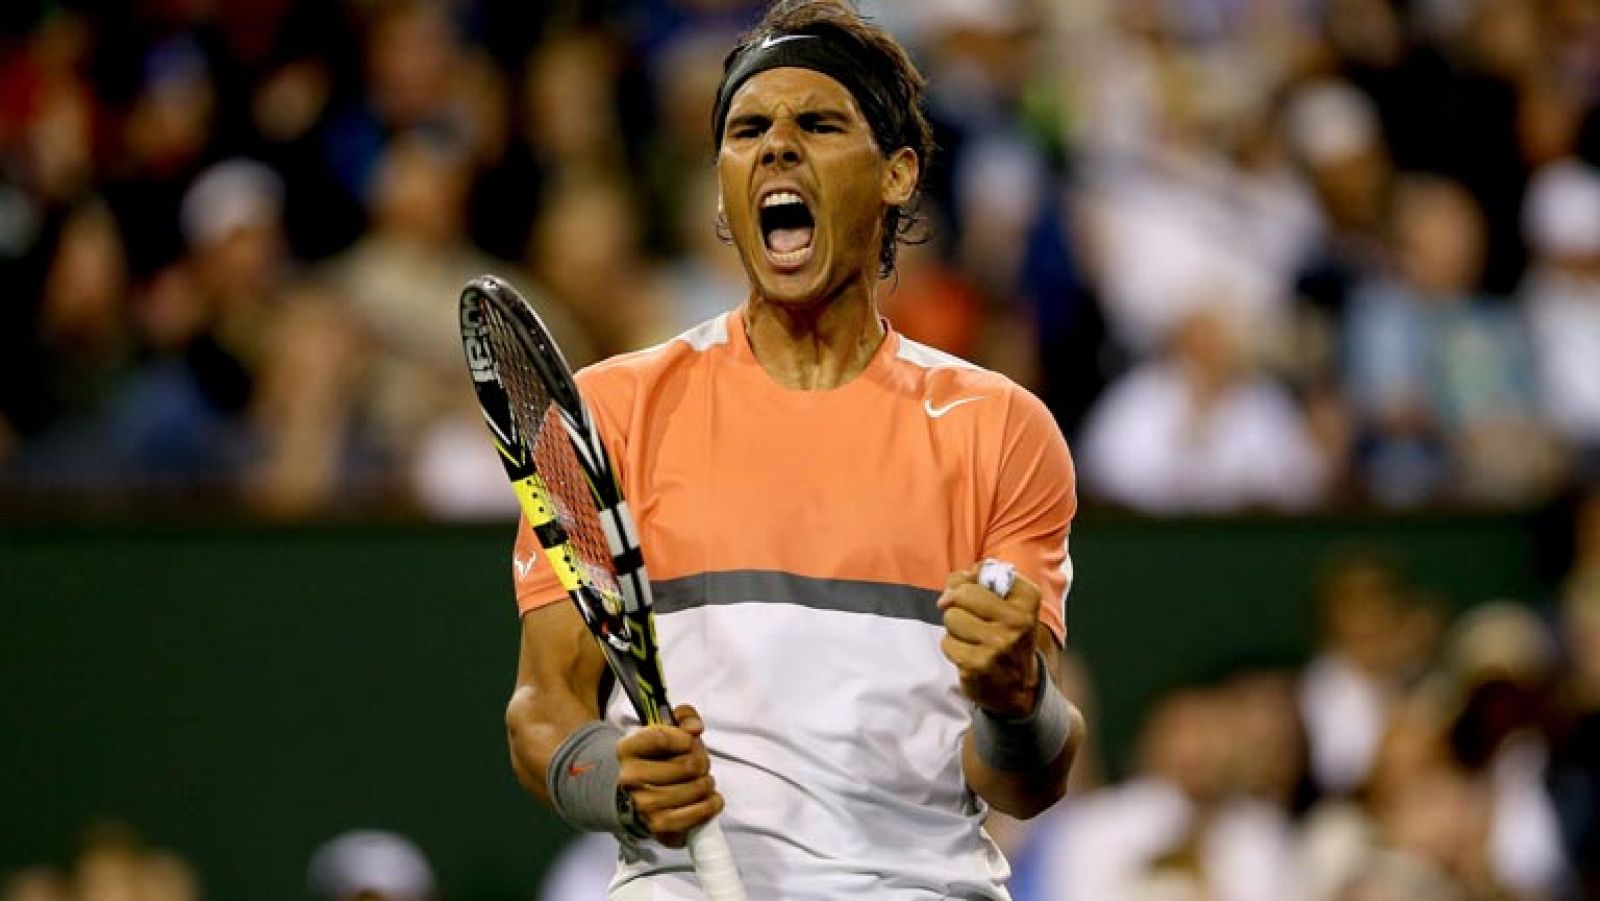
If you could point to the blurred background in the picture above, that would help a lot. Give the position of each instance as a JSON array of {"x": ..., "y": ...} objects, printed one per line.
[{"x": 1312, "y": 287}]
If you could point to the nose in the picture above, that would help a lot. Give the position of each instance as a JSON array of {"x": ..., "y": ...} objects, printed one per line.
[{"x": 781, "y": 148}]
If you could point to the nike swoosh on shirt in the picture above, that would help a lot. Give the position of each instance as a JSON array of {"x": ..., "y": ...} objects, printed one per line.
[
  {"x": 578, "y": 769},
  {"x": 936, "y": 412}
]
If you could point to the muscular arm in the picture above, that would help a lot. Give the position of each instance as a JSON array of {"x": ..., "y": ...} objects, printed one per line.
[
  {"x": 558, "y": 683},
  {"x": 1027, "y": 794},
  {"x": 664, "y": 769}
]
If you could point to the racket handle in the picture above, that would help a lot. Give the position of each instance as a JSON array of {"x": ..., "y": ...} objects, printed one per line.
[{"x": 713, "y": 863}]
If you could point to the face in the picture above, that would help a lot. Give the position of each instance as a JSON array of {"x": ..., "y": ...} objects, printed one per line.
[
  {"x": 804, "y": 185},
  {"x": 1439, "y": 233}
]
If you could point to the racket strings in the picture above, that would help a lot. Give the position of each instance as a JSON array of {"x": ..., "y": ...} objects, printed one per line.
[
  {"x": 541, "y": 430},
  {"x": 557, "y": 463}
]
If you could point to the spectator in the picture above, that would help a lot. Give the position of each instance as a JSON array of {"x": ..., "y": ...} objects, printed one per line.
[
  {"x": 60, "y": 379},
  {"x": 166, "y": 138},
  {"x": 415, "y": 74},
  {"x": 1334, "y": 132},
  {"x": 1561, "y": 295},
  {"x": 49, "y": 117},
  {"x": 181, "y": 411},
  {"x": 291, "y": 111},
  {"x": 1441, "y": 378},
  {"x": 1271, "y": 751},
  {"x": 115, "y": 865},
  {"x": 1498, "y": 668},
  {"x": 684, "y": 76},
  {"x": 1375, "y": 641},
  {"x": 370, "y": 865},
  {"x": 1178, "y": 827},
  {"x": 311, "y": 450},
  {"x": 932, "y": 302},
  {"x": 1575, "y": 760},
  {"x": 583, "y": 869},
  {"x": 399, "y": 283},
  {"x": 1418, "y": 830},
  {"x": 38, "y": 883},
  {"x": 706, "y": 278},
  {"x": 587, "y": 253},
  {"x": 565, "y": 129},
  {"x": 1201, "y": 430},
  {"x": 1184, "y": 185}
]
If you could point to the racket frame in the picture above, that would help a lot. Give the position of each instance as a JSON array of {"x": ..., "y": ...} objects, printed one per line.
[{"x": 620, "y": 617}]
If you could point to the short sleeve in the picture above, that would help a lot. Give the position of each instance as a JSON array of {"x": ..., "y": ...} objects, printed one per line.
[
  {"x": 1035, "y": 499},
  {"x": 531, "y": 575}
]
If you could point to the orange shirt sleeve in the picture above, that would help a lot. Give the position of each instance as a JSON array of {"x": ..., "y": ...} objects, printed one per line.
[
  {"x": 535, "y": 582},
  {"x": 531, "y": 576},
  {"x": 1034, "y": 502}
]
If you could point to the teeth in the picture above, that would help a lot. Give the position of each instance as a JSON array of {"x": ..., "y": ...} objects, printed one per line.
[
  {"x": 793, "y": 257},
  {"x": 779, "y": 198}
]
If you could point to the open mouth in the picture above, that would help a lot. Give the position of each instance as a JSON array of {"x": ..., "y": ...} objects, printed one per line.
[{"x": 787, "y": 229}]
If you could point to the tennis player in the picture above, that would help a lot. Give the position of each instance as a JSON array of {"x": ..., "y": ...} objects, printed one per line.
[{"x": 815, "y": 495}]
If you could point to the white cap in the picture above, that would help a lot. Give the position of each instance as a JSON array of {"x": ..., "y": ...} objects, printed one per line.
[
  {"x": 1501, "y": 639},
  {"x": 1561, "y": 213},
  {"x": 232, "y": 194},
  {"x": 1330, "y": 120},
  {"x": 384, "y": 863}
]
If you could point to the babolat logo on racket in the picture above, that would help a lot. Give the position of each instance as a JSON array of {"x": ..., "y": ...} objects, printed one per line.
[{"x": 474, "y": 340}]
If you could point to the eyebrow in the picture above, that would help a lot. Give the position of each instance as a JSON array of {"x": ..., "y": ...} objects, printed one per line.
[
  {"x": 827, "y": 114},
  {"x": 823, "y": 114}
]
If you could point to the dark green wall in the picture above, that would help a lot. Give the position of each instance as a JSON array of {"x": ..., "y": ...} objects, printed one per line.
[{"x": 240, "y": 693}]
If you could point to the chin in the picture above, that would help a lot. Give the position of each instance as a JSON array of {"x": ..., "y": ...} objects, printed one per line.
[
  {"x": 798, "y": 298},
  {"x": 800, "y": 288}
]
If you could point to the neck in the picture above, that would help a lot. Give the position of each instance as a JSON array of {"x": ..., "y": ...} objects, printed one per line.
[{"x": 814, "y": 346}]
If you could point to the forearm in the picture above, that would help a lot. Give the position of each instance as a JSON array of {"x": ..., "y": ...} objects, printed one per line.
[
  {"x": 557, "y": 691},
  {"x": 1012, "y": 767},
  {"x": 1022, "y": 793},
  {"x": 538, "y": 721}
]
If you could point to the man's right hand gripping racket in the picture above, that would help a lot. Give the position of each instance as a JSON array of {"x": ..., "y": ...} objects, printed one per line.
[{"x": 573, "y": 501}]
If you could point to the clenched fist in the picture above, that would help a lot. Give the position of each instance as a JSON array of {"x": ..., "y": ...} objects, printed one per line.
[
  {"x": 991, "y": 641},
  {"x": 667, "y": 774}
]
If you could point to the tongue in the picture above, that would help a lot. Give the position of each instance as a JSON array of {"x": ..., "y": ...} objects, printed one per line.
[{"x": 788, "y": 240}]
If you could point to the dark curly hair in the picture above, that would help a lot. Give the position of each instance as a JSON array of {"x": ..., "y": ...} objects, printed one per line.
[{"x": 900, "y": 123}]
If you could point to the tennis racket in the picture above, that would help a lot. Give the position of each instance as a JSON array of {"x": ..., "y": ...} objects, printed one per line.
[{"x": 573, "y": 501}]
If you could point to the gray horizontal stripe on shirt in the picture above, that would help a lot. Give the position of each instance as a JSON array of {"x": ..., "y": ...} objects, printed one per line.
[{"x": 758, "y": 586}]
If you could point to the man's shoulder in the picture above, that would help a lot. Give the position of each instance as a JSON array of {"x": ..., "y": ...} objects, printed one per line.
[
  {"x": 942, "y": 378},
  {"x": 626, "y": 372}
]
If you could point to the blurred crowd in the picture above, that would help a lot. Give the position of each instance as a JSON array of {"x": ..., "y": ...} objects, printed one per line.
[
  {"x": 1253, "y": 253},
  {"x": 114, "y": 863}
]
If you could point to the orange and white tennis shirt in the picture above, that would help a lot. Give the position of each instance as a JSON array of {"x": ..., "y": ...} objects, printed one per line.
[{"x": 797, "y": 543}]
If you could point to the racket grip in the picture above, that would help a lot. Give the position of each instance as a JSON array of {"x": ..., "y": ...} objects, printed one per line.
[{"x": 713, "y": 863}]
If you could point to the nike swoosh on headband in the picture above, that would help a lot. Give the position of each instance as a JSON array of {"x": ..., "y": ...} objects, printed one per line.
[{"x": 774, "y": 40}]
